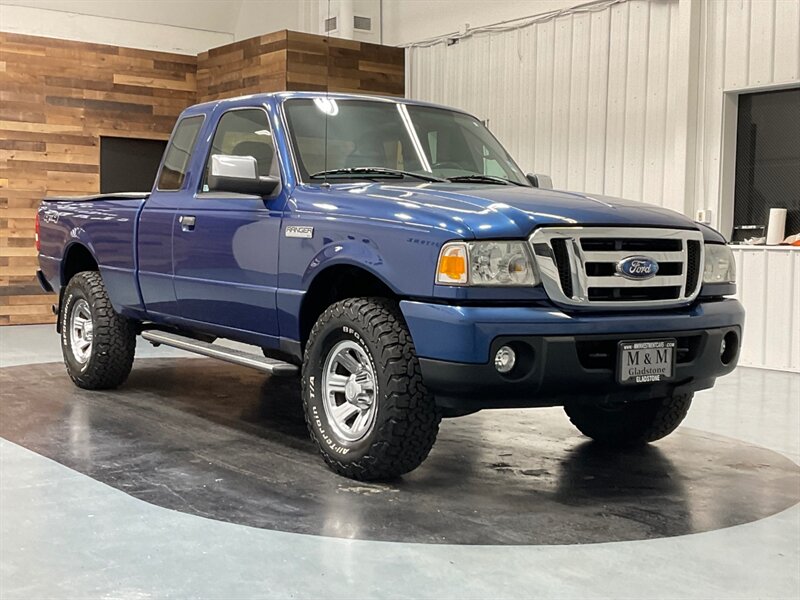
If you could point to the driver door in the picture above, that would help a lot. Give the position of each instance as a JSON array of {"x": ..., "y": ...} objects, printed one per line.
[{"x": 225, "y": 244}]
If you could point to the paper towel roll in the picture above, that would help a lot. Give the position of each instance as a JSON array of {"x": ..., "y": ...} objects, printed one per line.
[{"x": 776, "y": 229}]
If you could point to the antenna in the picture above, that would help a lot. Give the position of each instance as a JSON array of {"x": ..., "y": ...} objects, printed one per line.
[{"x": 327, "y": 91}]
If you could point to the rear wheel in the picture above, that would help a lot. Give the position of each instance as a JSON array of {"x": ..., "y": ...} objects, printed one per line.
[
  {"x": 366, "y": 407},
  {"x": 632, "y": 424},
  {"x": 98, "y": 344}
]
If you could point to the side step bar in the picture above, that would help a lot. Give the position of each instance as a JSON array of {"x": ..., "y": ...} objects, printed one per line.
[{"x": 231, "y": 355}]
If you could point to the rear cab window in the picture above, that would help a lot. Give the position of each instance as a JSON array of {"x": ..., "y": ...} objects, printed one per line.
[{"x": 179, "y": 152}]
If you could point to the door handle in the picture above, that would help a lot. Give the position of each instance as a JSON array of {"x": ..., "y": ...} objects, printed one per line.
[{"x": 187, "y": 222}]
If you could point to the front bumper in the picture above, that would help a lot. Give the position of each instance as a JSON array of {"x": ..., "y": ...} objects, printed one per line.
[{"x": 562, "y": 357}]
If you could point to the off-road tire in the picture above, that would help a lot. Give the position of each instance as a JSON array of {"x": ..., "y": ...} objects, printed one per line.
[
  {"x": 407, "y": 419},
  {"x": 114, "y": 339},
  {"x": 632, "y": 424}
]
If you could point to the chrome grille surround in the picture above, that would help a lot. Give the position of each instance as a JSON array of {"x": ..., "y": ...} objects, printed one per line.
[{"x": 553, "y": 273}]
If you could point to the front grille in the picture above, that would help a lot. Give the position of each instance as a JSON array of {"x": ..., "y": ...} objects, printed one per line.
[
  {"x": 599, "y": 269},
  {"x": 562, "y": 262},
  {"x": 693, "y": 266},
  {"x": 631, "y": 244},
  {"x": 625, "y": 294},
  {"x": 580, "y": 266},
  {"x": 602, "y": 354}
]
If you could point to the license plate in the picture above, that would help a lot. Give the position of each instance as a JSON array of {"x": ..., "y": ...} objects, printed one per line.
[{"x": 646, "y": 361}]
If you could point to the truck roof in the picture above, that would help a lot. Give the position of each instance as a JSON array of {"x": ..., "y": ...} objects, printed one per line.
[{"x": 281, "y": 96}]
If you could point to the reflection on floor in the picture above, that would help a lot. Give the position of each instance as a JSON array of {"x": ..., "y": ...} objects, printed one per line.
[
  {"x": 217, "y": 441},
  {"x": 220, "y": 441}
]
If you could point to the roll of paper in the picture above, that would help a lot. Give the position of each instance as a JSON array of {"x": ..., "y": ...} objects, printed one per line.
[{"x": 776, "y": 229}]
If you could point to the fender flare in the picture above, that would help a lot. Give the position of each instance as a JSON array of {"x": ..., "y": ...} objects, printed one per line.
[{"x": 350, "y": 253}]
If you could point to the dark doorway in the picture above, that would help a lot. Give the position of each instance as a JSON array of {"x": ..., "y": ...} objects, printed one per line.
[
  {"x": 768, "y": 158},
  {"x": 128, "y": 164}
]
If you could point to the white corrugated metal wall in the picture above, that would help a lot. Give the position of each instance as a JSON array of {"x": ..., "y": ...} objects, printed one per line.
[
  {"x": 590, "y": 97},
  {"x": 746, "y": 46},
  {"x": 769, "y": 288},
  {"x": 630, "y": 101},
  {"x": 584, "y": 97}
]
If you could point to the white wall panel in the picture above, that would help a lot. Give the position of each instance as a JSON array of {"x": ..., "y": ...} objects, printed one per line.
[
  {"x": 183, "y": 26},
  {"x": 786, "y": 66},
  {"x": 582, "y": 97},
  {"x": 108, "y": 30},
  {"x": 413, "y": 20},
  {"x": 746, "y": 46},
  {"x": 590, "y": 98},
  {"x": 209, "y": 15},
  {"x": 258, "y": 18},
  {"x": 770, "y": 291}
]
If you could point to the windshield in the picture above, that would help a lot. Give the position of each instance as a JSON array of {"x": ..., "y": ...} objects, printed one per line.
[{"x": 434, "y": 142}]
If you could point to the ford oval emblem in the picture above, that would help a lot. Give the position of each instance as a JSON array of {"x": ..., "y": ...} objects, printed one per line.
[{"x": 637, "y": 267}]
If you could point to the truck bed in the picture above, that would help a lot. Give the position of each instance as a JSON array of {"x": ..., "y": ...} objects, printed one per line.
[
  {"x": 96, "y": 197},
  {"x": 105, "y": 225}
]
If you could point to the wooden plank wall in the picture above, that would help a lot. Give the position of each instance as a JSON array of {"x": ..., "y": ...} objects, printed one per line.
[
  {"x": 331, "y": 64},
  {"x": 248, "y": 67},
  {"x": 288, "y": 60},
  {"x": 58, "y": 97}
]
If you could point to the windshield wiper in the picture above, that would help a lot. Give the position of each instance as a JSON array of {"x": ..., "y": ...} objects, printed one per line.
[
  {"x": 368, "y": 172},
  {"x": 478, "y": 178}
]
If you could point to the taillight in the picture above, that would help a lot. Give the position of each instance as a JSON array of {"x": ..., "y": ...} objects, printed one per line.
[{"x": 36, "y": 237}]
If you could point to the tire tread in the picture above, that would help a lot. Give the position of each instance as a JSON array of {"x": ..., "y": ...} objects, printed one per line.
[
  {"x": 404, "y": 439},
  {"x": 632, "y": 425},
  {"x": 114, "y": 337}
]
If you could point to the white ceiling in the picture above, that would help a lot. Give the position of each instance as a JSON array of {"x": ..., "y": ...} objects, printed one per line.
[
  {"x": 208, "y": 15},
  {"x": 207, "y": 23}
]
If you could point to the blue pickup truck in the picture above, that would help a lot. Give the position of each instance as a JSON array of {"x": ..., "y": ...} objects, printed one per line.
[{"x": 392, "y": 254}]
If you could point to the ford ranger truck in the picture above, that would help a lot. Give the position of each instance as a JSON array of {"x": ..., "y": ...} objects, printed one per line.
[{"x": 394, "y": 255}]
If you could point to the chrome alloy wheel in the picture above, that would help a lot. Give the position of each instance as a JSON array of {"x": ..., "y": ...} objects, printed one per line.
[
  {"x": 81, "y": 331},
  {"x": 350, "y": 391}
]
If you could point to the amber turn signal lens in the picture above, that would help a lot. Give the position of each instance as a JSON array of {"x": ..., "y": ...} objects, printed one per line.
[{"x": 453, "y": 264}]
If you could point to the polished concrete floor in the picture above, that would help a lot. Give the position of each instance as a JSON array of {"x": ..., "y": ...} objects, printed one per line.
[{"x": 197, "y": 480}]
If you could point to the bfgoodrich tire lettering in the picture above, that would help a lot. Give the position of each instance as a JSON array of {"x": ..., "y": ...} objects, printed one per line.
[
  {"x": 113, "y": 341},
  {"x": 631, "y": 424},
  {"x": 406, "y": 422}
]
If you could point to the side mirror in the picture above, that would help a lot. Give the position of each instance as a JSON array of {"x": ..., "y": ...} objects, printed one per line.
[
  {"x": 540, "y": 181},
  {"x": 239, "y": 174}
]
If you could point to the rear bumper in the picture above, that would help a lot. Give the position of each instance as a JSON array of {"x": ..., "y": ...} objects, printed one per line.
[
  {"x": 43, "y": 283},
  {"x": 562, "y": 357}
]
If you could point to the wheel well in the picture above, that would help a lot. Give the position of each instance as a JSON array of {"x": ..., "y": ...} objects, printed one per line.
[
  {"x": 335, "y": 284},
  {"x": 77, "y": 259}
]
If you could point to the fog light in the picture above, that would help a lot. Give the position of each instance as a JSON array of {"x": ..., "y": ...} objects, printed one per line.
[
  {"x": 505, "y": 359},
  {"x": 729, "y": 348}
]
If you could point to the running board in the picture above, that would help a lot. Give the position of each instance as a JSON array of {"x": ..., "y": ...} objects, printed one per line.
[{"x": 231, "y": 355}]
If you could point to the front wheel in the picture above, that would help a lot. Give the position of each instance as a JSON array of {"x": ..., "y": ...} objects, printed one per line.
[
  {"x": 98, "y": 344},
  {"x": 632, "y": 424},
  {"x": 366, "y": 406}
]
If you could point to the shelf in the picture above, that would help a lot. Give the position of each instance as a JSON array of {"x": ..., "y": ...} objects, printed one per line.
[{"x": 764, "y": 248}]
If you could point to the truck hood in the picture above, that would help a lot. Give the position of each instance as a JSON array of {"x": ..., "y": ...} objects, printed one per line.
[{"x": 494, "y": 211}]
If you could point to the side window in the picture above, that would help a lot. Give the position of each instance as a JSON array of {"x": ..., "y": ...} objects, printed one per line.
[
  {"x": 492, "y": 166},
  {"x": 178, "y": 153},
  {"x": 244, "y": 133}
]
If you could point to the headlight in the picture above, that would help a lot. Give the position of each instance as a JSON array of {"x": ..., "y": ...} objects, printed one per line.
[
  {"x": 719, "y": 265},
  {"x": 486, "y": 263}
]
